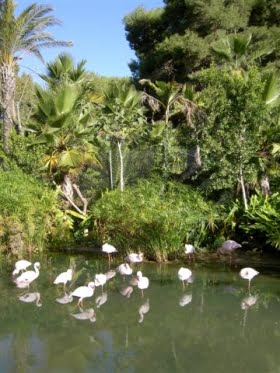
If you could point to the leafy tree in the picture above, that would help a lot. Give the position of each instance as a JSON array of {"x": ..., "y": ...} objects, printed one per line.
[
  {"x": 231, "y": 138},
  {"x": 20, "y": 35},
  {"x": 172, "y": 41}
]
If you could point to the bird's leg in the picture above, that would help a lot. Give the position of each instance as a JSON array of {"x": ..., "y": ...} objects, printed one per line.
[
  {"x": 142, "y": 293},
  {"x": 64, "y": 287},
  {"x": 230, "y": 259},
  {"x": 249, "y": 286},
  {"x": 109, "y": 259}
]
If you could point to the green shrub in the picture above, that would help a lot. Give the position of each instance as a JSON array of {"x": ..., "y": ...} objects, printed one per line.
[
  {"x": 263, "y": 218},
  {"x": 156, "y": 217},
  {"x": 29, "y": 215}
]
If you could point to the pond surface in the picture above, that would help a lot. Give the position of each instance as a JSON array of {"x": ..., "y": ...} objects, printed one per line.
[{"x": 210, "y": 326}]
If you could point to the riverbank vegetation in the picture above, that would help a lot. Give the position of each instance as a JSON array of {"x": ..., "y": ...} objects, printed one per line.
[{"x": 186, "y": 150}]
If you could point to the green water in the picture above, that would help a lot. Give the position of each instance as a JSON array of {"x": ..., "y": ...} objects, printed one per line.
[{"x": 211, "y": 333}]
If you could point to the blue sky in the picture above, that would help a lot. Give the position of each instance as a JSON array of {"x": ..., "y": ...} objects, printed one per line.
[{"x": 97, "y": 31}]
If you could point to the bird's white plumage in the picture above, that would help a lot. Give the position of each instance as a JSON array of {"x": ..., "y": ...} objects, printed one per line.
[
  {"x": 83, "y": 292},
  {"x": 107, "y": 248},
  {"x": 100, "y": 279},
  {"x": 134, "y": 258},
  {"x": 28, "y": 276},
  {"x": 64, "y": 277},
  {"x": 143, "y": 282},
  {"x": 248, "y": 273},
  {"x": 110, "y": 274},
  {"x": 184, "y": 274},
  {"x": 124, "y": 269},
  {"x": 21, "y": 265},
  {"x": 189, "y": 249}
]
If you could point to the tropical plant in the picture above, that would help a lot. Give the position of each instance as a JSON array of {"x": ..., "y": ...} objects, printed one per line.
[
  {"x": 20, "y": 35},
  {"x": 64, "y": 70},
  {"x": 122, "y": 121},
  {"x": 65, "y": 128},
  {"x": 167, "y": 100}
]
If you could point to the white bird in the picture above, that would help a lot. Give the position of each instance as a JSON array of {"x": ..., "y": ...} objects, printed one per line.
[
  {"x": 109, "y": 249},
  {"x": 126, "y": 291},
  {"x": 143, "y": 282},
  {"x": 134, "y": 258},
  {"x": 189, "y": 250},
  {"x": 124, "y": 269},
  {"x": 185, "y": 299},
  {"x": 100, "y": 280},
  {"x": 65, "y": 299},
  {"x": 64, "y": 277},
  {"x": 28, "y": 276},
  {"x": 102, "y": 299},
  {"x": 88, "y": 314},
  {"x": 21, "y": 265},
  {"x": 184, "y": 274},
  {"x": 30, "y": 298},
  {"x": 143, "y": 309},
  {"x": 83, "y": 292},
  {"x": 248, "y": 274}
]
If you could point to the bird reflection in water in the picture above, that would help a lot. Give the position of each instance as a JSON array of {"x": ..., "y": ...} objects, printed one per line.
[
  {"x": 126, "y": 291},
  {"x": 65, "y": 299},
  {"x": 31, "y": 298},
  {"x": 246, "y": 304},
  {"x": 143, "y": 309},
  {"x": 88, "y": 314},
  {"x": 101, "y": 299},
  {"x": 185, "y": 299}
]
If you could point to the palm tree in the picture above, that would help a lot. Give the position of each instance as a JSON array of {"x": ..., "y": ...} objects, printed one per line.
[
  {"x": 63, "y": 70},
  {"x": 65, "y": 126},
  {"x": 19, "y": 35},
  {"x": 169, "y": 99},
  {"x": 236, "y": 51},
  {"x": 123, "y": 119}
]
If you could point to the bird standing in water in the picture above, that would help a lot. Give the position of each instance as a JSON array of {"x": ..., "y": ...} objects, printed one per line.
[
  {"x": 109, "y": 249},
  {"x": 228, "y": 247},
  {"x": 143, "y": 282},
  {"x": 83, "y": 292},
  {"x": 248, "y": 274},
  {"x": 184, "y": 274},
  {"x": 64, "y": 277},
  {"x": 28, "y": 276},
  {"x": 189, "y": 251}
]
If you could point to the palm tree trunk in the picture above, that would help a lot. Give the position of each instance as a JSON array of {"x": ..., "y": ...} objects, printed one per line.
[
  {"x": 8, "y": 102},
  {"x": 121, "y": 166}
]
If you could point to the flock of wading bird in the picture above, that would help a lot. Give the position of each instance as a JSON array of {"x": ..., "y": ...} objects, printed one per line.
[{"x": 124, "y": 269}]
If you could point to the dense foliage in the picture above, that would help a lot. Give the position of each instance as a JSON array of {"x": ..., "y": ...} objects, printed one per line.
[
  {"x": 30, "y": 215},
  {"x": 155, "y": 217}
]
